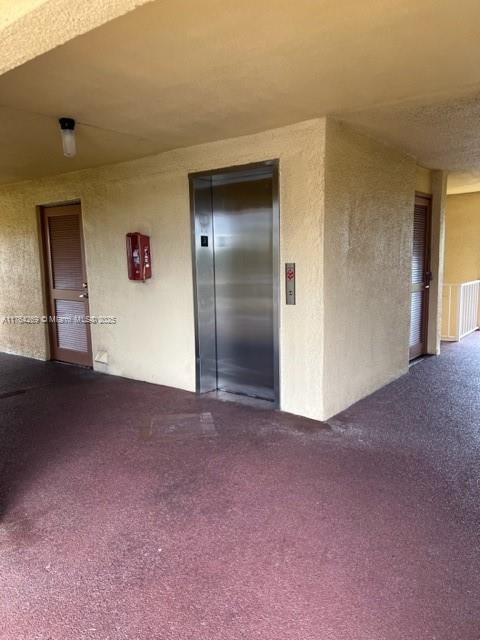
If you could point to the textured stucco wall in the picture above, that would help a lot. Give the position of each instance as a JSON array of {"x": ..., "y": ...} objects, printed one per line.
[
  {"x": 423, "y": 180},
  {"x": 154, "y": 337},
  {"x": 368, "y": 238},
  {"x": 21, "y": 290},
  {"x": 462, "y": 238}
]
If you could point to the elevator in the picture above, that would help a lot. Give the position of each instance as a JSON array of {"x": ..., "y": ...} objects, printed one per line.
[{"x": 235, "y": 244}]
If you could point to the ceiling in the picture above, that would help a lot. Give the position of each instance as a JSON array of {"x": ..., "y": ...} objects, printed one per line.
[
  {"x": 173, "y": 73},
  {"x": 463, "y": 182},
  {"x": 29, "y": 28},
  {"x": 13, "y": 11}
]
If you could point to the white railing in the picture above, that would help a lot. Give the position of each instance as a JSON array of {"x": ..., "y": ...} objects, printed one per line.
[{"x": 461, "y": 310}]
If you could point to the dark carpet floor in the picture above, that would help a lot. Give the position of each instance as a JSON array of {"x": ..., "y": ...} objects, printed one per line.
[{"x": 132, "y": 511}]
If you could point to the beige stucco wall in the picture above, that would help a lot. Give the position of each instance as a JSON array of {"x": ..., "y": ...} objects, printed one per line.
[
  {"x": 368, "y": 237},
  {"x": 462, "y": 238},
  {"x": 423, "y": 180},
  {"x": 154, "y": 337}
]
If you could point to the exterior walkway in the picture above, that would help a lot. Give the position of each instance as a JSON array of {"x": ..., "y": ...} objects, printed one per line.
[{"x": 132, "y": 511}]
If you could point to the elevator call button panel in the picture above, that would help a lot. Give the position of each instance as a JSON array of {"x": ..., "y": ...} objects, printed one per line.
[{"x": 290, "y": 282}]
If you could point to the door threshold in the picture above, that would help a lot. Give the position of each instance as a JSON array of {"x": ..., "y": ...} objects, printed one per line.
[
  {"x": 226, "y": 396},
  {"x": 72, "y": 364},
  {"x": 419, "y": 359},
  {"x": 415, "y": 361}
]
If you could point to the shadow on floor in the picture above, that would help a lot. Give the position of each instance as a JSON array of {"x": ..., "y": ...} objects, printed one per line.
[{"x": 29, "y": 433}]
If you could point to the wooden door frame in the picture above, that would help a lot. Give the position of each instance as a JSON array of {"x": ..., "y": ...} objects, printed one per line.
[
  {"x": 424, "y": 199},
  {"x": 47, "y": 276}
]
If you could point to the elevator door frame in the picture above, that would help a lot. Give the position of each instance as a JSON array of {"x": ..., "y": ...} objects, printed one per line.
[{"x": 204, "y": 381}]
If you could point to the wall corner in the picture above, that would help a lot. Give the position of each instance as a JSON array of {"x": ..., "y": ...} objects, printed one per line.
[{"x": 439, "y": 200}]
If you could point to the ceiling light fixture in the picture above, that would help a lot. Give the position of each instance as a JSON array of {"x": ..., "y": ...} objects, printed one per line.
[{"x": 67, "y": 129}]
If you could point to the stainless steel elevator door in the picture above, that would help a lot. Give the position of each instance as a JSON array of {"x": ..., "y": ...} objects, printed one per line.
[{"x": 243, "y": 249}]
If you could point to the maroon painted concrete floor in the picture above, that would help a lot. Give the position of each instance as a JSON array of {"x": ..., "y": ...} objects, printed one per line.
[{"x": 140, "y": 512}]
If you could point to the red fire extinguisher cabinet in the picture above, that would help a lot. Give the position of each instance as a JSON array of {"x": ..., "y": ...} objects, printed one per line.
[{"x": 138, "y": 256}]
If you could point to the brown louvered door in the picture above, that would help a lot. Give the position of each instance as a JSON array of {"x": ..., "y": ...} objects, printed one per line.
[
  {"x": 421, "y": 276},
  {"x": 67, "y": 284}
]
